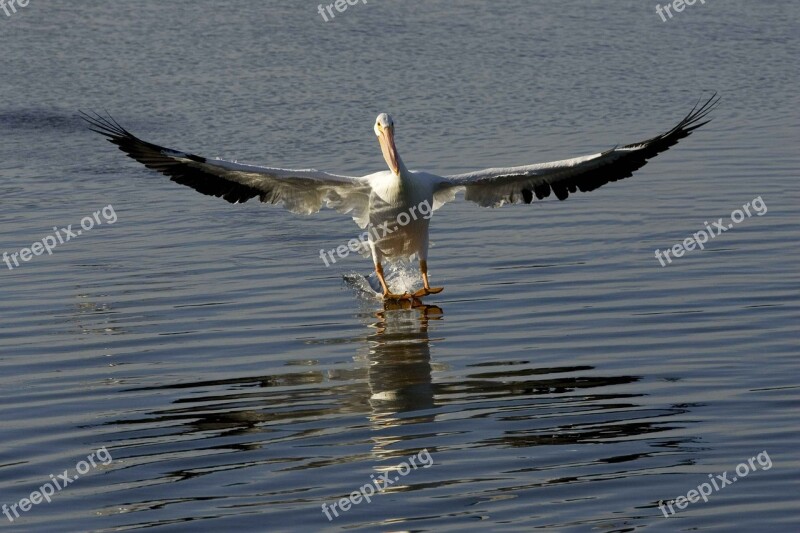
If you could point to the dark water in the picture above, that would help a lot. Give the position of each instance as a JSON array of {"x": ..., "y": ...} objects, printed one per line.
[{"x": 566, "y": 381}]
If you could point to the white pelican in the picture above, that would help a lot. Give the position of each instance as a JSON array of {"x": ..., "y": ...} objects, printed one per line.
[{"x": 380, "y": 198}]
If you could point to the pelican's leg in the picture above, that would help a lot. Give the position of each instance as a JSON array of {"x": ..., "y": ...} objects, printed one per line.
[
  {"x": 387, "y": 294},
  {"x": 426, "y": 287}
]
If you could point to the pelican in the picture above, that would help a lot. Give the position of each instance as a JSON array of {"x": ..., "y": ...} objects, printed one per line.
[{"x": 389, "y": 198}]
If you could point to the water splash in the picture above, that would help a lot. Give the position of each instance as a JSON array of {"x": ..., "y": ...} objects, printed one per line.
[{"x": 401, "y": 277}]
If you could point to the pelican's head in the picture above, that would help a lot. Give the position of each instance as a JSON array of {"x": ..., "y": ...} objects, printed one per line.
[{"x": 384, "y": 129}]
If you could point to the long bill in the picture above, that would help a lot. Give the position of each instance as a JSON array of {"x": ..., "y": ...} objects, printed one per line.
[{"x": 386, "y": 139}]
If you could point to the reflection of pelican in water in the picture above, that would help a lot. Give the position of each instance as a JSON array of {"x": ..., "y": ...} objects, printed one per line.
[
  {"x": 399, "y": 360},
  {"x": 398, "y": 365}
]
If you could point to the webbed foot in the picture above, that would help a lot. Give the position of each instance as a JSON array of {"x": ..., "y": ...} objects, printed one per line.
[{"x": 428, "y": 290}]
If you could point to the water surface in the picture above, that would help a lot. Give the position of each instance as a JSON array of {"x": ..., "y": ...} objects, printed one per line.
[{"x": 563, "y": 381}]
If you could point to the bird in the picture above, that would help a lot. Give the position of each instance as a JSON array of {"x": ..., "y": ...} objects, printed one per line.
[{"x": 399, "y": 201}]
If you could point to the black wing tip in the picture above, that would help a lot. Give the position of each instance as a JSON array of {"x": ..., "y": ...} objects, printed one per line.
[
  {"x": 699, "y": 112},
  {"x": 125, "y": 140},
  {"x": 104, "y": 125},
  {"x": 684, "y": 128},
  {"x": 170, "y": 162}
]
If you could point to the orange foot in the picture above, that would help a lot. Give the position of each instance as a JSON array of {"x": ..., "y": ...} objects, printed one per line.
[
  {"x": 397, "y": 297},
  {"x": 428, "y": 290}
]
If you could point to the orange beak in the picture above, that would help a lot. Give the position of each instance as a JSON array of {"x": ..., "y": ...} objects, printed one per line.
[{"x": 386, "y": 139}]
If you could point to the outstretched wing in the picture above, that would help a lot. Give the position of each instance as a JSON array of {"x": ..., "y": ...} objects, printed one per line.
[
  {"x": 496, "y": 186},
  {"x": 300, "y": 191}
]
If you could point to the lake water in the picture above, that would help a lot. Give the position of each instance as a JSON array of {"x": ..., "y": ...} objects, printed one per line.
[{"x": 564, "y": 380}]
